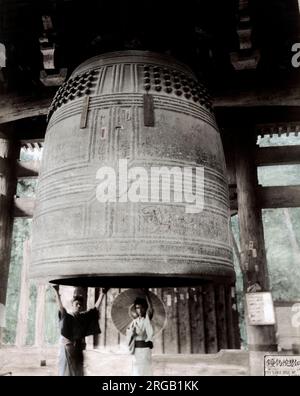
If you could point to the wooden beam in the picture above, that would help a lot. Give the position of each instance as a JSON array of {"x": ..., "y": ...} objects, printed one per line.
[
  {"x": 170, "y": 332},
  {"x": 197, "y": 320},
  {"x": 90, "y": 304},
  {"x": 210, "y": 320},
  {"x": 111, "y": 338},
  {"x": 15, "y": 107},
  {"x": 259, "y": 97},
  {"x": 230, "y": 325},
  {"x": 284, "y": 155},
  {"x": 4, "y": 164},
  {"x": 21, "y": 330},
  {"x": 28, "y": 168},
  {"x": 40, "y": 315},
  {"x": 279, "y": 197},
  {"x": 274, "y": 197},
  {"x": 184, "y": 321},
  {"x": 249, "y": 88},
  {"x": 24, "y": 207},
  {"x": 262, "y": 120},
  {"x": 221, "y": 316},
  {"x": 158, "y": 347},
  {"x": 9, "y": 150}
]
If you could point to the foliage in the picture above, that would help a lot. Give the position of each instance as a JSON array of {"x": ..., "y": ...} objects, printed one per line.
[
  {"x": 51, "y": 316},
  {"x": 21, "y": 232}
]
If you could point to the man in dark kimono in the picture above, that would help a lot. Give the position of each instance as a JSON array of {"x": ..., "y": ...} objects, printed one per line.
[{"x": 74, "y": 328}]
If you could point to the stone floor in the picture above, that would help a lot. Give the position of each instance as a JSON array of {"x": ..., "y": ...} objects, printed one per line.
[{"x": 32, "y": 361}]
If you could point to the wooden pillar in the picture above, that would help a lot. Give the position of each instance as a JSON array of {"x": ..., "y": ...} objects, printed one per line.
[
  {"x": 170, "y": 333},
  {"x": 90, "y": 340},
  {"x": 100, "y": 341},
  {"x": 184, "y": 321},
  {"x": 122, "y": 338},
  {"x": 111, "y": 333},
  {"x": 235, "y": 316},
  {"x": 229, "y": 318},
  {"x": 40, "y": 315},
  {"x": 21, "y": 331},
  {"x": 253, "y": 255},
  {"x": 210, "y": 320},
  {"x": 9, "y": 151},
  {"x": 221, "y": 317},
  {"x": 197, "y": 320},
  {"x": 232, "y": 319},
  {"x": 158, "y": 340}
]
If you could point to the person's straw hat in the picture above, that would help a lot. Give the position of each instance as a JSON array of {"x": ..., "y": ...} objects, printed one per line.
[{"x": 122, "y": 310}]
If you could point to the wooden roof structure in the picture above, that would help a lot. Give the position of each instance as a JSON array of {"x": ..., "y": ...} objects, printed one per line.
[{"x": 241, "y": 48}]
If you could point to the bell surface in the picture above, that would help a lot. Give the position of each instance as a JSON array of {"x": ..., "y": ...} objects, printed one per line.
[{"x": 133, "y": 184}]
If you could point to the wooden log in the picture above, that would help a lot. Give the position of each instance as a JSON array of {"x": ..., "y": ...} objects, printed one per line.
[
  {"x": 210, "y": 320},
  {"x": 279, "y": 197},
  {"x": 122, "y": 338},
  {"x": 111, "y": 333},
  {"x": 99, "y": 339},
  {"x": 284, "y": 95},
  {"x": 230, "y": 325},
  {"x": 170, "y": 333},
  {"x": 9, "y": 151},
  {"x": 184, "y": 322},
  {"x": 284, "y": 155},
  {"x": 250, "y": 218},
  {"x": 27, "y": 168},
  {"x": 24, "y": 207},
  {"x": 103, "y": 339},
  {"x": 40, "y": 315},
  {"x": 4, "y": 164},
  {"x": 158, "y": 343},
  {"x": 21, "y": 330},
  {"x": 274, "y": 197},
  {"x": 197, "y": 320},
  {"x": 235, "y": 317},
  {"x": 176, "y": 319},
  {"x": 221, "y": 316},
  {"x": 90, "y": 304},
  {"x": 15, "y": 107},
  {"x": 253, "y": 255},
  {"x": 229, "y": 160}
]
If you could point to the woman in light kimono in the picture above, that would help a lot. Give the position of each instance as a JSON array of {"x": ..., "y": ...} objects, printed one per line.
[{"x": 139, "y": 336}]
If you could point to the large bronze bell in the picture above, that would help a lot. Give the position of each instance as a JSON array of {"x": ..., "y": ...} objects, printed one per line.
[{"x": 147, "y": 118}]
